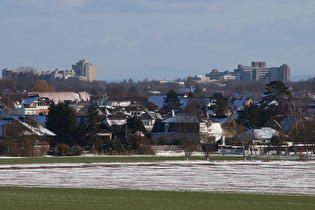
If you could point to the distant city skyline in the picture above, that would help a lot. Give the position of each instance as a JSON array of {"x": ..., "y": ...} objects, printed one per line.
[{"x": 154, "y": 39}]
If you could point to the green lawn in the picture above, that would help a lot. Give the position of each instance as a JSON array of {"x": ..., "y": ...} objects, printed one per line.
[
  {"x": 97, "y": 159},
  {"x": 52, "y": 198}
]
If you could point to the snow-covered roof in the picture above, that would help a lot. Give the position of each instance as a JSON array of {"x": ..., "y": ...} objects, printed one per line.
[
  {"x": 57, "y": 97},
  {"x": 219, "y": 119},
  {"x": 262, "y": 133},
  {"x": 39, "y": 130},
  {"x": 116, "y": 121}
]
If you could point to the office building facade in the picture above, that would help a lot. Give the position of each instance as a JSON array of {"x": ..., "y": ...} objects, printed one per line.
[
  {"x": 258, "y": 71},
  {"x": 85, "y": 70},
  {"x": 80, "y": 71}
]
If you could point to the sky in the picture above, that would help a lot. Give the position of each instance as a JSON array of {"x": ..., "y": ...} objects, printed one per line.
[{"x": 157, "y": 39}]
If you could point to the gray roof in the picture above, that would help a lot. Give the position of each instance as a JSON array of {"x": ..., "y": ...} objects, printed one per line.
[{"x": 29, "y": 100}]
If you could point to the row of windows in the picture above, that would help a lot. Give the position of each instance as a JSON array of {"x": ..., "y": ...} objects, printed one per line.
[
  {"x": 147, "y": 123},
  {"x": 229, "y": 124}
]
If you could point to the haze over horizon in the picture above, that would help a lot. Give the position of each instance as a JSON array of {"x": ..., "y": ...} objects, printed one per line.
[{"x": 154, "y": 39}]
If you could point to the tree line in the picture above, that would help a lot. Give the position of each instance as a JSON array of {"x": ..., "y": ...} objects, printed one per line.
[{"x": 142, "y": 88}]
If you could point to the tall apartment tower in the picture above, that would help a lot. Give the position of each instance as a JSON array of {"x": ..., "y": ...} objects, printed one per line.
[
  {"x": 85, "y": 70},
  {"x": 258, "y": 71}
]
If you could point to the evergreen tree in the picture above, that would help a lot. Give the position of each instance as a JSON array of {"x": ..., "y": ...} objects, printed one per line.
[
  {"x": 276, "y": 90},
  {"x": 80, "y": 133},
  {"x": 61, "y": 119},
  {"x": 135, "y": 125},
  {"x": 171, "y": 102},
  {"x": 221, "y": 104},
  {"x": 92, "y": 128},
  {"x": 250, "y": 117}
]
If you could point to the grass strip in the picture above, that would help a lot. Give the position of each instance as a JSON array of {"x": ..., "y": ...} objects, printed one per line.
[
  {"x": 97, "y": 159},
  {"x": 59, "y": 198}
]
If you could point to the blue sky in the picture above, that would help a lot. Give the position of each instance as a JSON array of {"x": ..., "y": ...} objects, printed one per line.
[{"x": 157, "y": 39}]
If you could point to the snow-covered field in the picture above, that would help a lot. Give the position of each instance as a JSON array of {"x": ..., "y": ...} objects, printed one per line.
[{"x": 277, "y": 177}]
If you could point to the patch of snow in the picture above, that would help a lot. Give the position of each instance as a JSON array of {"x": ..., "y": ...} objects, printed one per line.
[{"x": 277, "y": 177}]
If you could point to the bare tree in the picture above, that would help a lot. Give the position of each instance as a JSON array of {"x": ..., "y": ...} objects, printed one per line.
[
  {"x": 304, "y": 133},
  {"x": 208, "y": 146},
  {"x": 245, "y": 140},
  {"x": 242, "y": 138},
  {"x": 188, "y": 147},
  {"x": 188, "y": 133}
]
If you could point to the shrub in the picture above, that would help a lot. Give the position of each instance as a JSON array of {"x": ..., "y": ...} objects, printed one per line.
[{"x": 65, "y": 150}]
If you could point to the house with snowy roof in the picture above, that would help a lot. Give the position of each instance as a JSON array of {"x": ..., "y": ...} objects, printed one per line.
[
  {"x": 37, "y": 103},
  {"x": 57, "y": 97},
  {"x": 77, "y": 100},
  {"x": 119, "y": 110},
  {"x": 25, "y": 128},
  {"x": 260, "y": 140},
  {"x": 32, "y": 105},
  {"x": 187, "y": 127},
  {"x": 261, "y": 135},
  {"x": 228, "y": 125}
]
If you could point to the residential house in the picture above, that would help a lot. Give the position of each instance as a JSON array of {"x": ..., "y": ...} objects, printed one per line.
[
  {"x": 37, "y": 103},
  {"x": 228, "y": 126},
  {"x": 77, "y": 100},
  {"x": 57, "y": 97},
  {"x": 260, "y": 139},
  {"x": 105, "y": 132},
  {"x": 10, "y": 101},
  {"x": 187, "y": 127},
  {"x": 32, "y": 105},
  {"x": 281, "y": 123},
  {"x": 24, "y": 126},
  {"x": 119, "y": 110},
  {"x": 239, "y": 104}
]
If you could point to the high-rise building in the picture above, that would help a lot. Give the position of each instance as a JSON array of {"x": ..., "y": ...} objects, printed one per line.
[
  {"x": 258, "y": 71},
  {"x": 85, "y": 70},
  {"x": 81, "y": 70}
]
